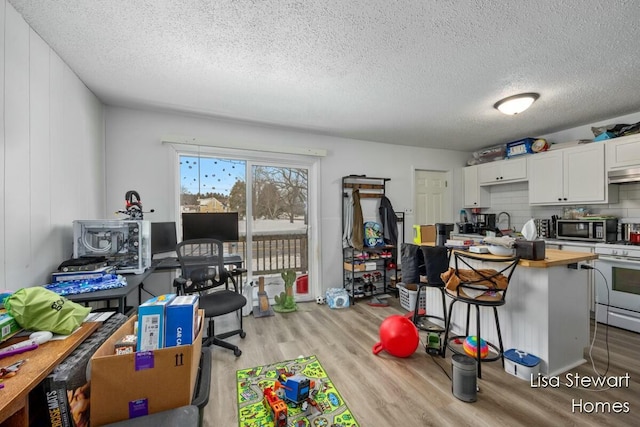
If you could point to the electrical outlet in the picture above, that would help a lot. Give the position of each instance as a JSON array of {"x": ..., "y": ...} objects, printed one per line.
[{"x": 408, "y": 210}]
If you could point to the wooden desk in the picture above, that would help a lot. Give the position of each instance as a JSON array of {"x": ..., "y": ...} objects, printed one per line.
[{"x": 14, "y": 397}]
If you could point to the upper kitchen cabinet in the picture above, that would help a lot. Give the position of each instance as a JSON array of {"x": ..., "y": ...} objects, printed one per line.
[
  {"x": 503, "y": 171},
  {"x": 623, "y": 152},
  {"x": 569, "y": 176},
  {"x": 475, "y": 196}
]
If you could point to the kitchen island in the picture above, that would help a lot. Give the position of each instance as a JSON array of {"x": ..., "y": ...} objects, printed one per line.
[{"x": 546, "y": 311}]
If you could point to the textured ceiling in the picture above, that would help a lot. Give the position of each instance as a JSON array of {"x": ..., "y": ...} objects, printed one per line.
[{"x": 422, "y": 72}]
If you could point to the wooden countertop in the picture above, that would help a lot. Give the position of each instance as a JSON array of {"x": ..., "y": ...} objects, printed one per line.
[
  {"x": 40, "y": 362},
  {"x": 553, "y": 258}
]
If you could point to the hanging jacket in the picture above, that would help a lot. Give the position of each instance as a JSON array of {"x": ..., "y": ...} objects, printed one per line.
[
  {"x": 347, "y": 220},
  {"x": 358, "y": 222},
  {"x": 389, "y": 221}
]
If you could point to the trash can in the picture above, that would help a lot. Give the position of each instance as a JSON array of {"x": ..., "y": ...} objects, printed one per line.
[
  {"x": 463, "y": 377},
  {"x": 443, "y": 231},
  {"x": 302, "y": 284}
]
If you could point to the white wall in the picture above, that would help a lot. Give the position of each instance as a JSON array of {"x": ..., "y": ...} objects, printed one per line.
[
  {"x": 51, "y": 152},
  {"x": 137, "y": 160}
]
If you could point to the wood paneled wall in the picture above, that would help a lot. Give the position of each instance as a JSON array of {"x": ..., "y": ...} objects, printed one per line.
[{"x": 51, "y": 152}]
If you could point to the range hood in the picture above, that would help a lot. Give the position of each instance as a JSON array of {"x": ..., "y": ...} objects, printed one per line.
[{"x": 624, "y": 176}]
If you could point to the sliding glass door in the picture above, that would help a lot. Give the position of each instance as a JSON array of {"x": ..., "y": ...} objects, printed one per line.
[{"x": 272, "y": 199}]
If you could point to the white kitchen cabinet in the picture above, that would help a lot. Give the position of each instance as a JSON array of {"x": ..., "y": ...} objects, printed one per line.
[
  {"x": 569, "y": 176},
  {"x": 474, "y": 195},
  {"x": 503, "y": 171},
  {"x": 623, "y": 152}
]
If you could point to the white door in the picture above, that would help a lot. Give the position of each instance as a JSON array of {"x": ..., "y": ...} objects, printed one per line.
[{"x": 432, "y": 197}]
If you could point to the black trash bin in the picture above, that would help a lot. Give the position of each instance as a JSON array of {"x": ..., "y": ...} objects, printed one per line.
[{"x": 443, "y": 231}]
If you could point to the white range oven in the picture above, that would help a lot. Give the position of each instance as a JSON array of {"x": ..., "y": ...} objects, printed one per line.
[{"x": 618, "y": 297}]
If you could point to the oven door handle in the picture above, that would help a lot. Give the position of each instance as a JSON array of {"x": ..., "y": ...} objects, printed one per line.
[{"x": 621, "y": 260}]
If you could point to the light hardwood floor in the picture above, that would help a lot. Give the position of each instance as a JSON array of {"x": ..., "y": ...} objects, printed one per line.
[{"x": 382, "y": 390}]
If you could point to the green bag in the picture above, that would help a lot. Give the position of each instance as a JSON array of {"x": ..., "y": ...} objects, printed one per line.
[{"x": 39, "y": 309}]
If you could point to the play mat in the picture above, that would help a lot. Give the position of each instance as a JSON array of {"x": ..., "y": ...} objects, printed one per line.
[{"x": 326, "y": 407}]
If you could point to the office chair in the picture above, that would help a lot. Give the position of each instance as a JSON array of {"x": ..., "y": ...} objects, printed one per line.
[
  {"x": 203, "y": 270},
  {"x": 480, "y": 287}
]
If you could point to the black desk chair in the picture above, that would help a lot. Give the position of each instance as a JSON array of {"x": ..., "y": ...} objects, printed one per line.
[
  {"x": 480, "y": 288},
  {"x": 203, "y": 271},
  {"x": 436, "y": 262}
]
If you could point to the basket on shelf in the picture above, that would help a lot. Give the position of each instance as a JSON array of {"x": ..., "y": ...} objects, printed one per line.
[{"x": 408, "y": 297}]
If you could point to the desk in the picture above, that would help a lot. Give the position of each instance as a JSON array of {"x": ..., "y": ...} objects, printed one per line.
[
  {"x": 14, "y": 401},
  {"x": 134, "y": 282}
]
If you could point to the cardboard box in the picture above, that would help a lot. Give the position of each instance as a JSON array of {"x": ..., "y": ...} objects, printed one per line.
[
  {"x": 131, "y": 385},
  {"x": 63, "y": 398},
  {"x": 151, "y": 322},
  {"x": 8, "y": 325},
  {"x": 354, "y": 267},
  {"x": 182, "y": 321},
  {"x": 424, "y": 234}
]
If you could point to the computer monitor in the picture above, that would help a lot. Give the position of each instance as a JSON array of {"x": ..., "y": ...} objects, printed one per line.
[
  {"x": 163, "y": 237},
  {"x": 222, "y": 226}
]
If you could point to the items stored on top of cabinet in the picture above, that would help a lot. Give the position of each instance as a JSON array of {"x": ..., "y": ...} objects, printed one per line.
[{"x": 369, "y": 235}]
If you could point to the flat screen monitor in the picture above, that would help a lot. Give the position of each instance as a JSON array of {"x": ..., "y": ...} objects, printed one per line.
[
  {"x": 163, "y": 237},
  {"x": 222, "y": 226}
]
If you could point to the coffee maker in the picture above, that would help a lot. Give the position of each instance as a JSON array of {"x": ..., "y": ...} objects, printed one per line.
[{"x": 484, "y": 223}]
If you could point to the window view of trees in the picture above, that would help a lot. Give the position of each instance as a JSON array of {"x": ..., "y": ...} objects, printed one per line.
[
  {"x": 278, "y": 200},
  {"x": 219, "y": 185},
  {"x": 279, "y": 193},
  {"x": 206, "y": 184}
]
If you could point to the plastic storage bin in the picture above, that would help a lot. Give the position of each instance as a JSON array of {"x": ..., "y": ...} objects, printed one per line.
[{"x": 408, "y": 297}]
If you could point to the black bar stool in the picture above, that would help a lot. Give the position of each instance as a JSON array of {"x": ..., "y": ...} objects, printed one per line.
[{"x": 480, "y": 288}]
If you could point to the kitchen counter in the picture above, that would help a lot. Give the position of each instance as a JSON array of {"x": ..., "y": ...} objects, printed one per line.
[
  {"x": 569, "y": 243},
  {"x": 478, "y": 237},
  {"x": 553, "y": 257},
  {"x": 546, "y": 311}
]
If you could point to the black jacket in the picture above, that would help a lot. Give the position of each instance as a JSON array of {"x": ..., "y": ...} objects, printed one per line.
[{"x": 389, "y": 221}]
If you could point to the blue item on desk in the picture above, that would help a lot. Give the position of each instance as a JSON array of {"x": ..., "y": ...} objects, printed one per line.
[{"x": 107, "y": 281}]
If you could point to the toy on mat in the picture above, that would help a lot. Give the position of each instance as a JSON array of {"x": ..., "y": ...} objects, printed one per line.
[
  {"x": 297, "y": 389},
  {"x": 470, "y": 347},
  {"x": 276, "y": 406},
  {"x": 263, "y": 308},
  {"x": 398, "y": 336}
]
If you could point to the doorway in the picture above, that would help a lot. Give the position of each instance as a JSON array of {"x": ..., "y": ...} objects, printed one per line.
[{"x": 432, "y": 197}]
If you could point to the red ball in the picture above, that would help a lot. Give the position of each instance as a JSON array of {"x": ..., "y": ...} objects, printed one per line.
[{"x": 398, "y": 336}]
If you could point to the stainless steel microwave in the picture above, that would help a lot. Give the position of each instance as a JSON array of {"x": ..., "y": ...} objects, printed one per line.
[{"x": 589, "y": 230}]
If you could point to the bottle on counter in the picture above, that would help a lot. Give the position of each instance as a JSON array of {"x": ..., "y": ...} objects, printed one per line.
[{"x": 463, "y": 216}]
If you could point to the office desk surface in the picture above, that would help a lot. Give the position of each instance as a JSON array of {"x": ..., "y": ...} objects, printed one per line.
[
  {"x": 133, "y": 282},
  {"x": 41, "y": 361}
]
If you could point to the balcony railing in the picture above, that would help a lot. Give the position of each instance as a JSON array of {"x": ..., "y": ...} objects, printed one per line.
[{"x": 273, "y": 253}]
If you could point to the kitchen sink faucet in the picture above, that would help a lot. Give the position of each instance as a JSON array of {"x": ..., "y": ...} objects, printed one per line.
[{"x": 508, "y": 219}]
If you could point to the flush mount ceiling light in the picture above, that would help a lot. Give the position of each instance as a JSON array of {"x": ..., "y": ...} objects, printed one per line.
[{"x": 516, "y": 104}]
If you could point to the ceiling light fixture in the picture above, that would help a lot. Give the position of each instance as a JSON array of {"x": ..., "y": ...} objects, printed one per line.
[{"x": 516, "y": 104}]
